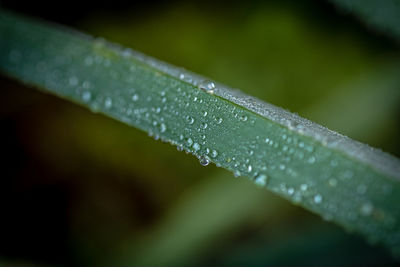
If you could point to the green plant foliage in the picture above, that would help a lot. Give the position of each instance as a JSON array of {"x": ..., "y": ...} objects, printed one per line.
[
  {"x": 343, "y": 180},
  {"x": 382, "y": 15}
]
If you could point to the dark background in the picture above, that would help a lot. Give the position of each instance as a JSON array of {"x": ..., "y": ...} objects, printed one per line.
[{"x": 81, "y": 189}]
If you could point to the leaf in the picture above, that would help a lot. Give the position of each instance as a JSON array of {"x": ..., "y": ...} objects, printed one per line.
[
  {"x": 341, "y": 179},
  {"x": 382, "y": 15}
]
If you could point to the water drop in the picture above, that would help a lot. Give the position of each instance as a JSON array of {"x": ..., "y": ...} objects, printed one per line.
[
  {"x": 219, "y": 120},
  {"x": 204, "y": 161},
  {"x": 290, "y": 191},
  {"x": 163, "y": 127},
  {"x": 249, "y": 168},
  {"x": 207, "y": 86},
  {"x": 196, "y": 147},
  {"x": 135, "y": 97},
  {"x": 261, "y": 180},
  {"x": 332, "y": 182},
  {"x": 189, "y": 119},
  {"x": 190, "y": 141},
  {"x": 237, "y": 173},
  {"x": 303, "y": 187},
  {"x": 214, "y": 153},
  {"x": 108, "y": 102},
  {"x": 317, "y": 199},
  {"x": 86, "y": 96},
  {"x": 366, "y": 209},
  {"x": 204, "y": 125},
  {"x": 311, "y": 160}
]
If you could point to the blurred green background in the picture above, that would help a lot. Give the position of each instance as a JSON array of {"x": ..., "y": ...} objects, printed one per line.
[{"x": 81, "y": 189}]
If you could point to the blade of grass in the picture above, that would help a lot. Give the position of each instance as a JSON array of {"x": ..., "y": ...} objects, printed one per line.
[
  {"x": 382, "y": 15},
  {"x": 341, "y": 179}
]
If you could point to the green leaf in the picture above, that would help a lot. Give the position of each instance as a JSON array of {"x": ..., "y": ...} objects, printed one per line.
[
  {"x": 341, "y": 179},
  {"x": 382, "y": 15}
]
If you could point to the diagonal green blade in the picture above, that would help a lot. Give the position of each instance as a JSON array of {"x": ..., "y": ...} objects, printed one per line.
[
  {"x": 381, "y": 15},
  {"x": 343, "y": 180}
]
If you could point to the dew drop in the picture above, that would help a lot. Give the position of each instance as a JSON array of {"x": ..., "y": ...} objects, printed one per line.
[
  {"x": 163, "y": 127},
  {"x": 317, "y": 199},
  {"x": 207, "y": 86},
  {"x": 135, "y": 97},
  {"x": 214, "y": 153},
  {"x": 249, "y": 168},
  {"x": 303, "y": 187},
  {"x": 311, "y": 160},
  {"x": 237, "y": 173},
  {"x": 366, "y": 209},
  {"x": 108, "y": 102},
  {"x": 205, "y": 113},
  {"x": 86, "y": 96},
  {"x": 204, "y": 161},
  {"x": 219, "y": 120},
  {"x": 196, "y": 147},
  {"x": 332, "y": 182},
  {"x": 190, "y": 141},
  {"x": 204, "y": 125},
  {"x": 290, "y": 191},
  {"x": 189, "y": 119},
  {"x": 261, "y": 180}
]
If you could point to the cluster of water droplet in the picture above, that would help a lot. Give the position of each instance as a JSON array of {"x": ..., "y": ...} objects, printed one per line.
[{"x": 183, "y": 110}]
